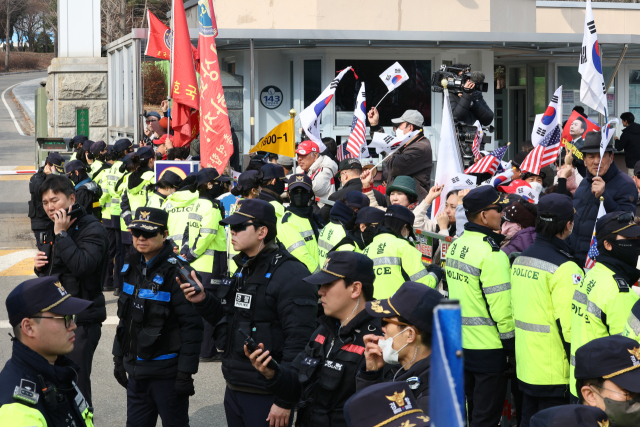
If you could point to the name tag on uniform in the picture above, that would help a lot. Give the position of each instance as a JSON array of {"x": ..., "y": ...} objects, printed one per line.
[
  {"x": 333, "y": 365},
  {"x": 310, "y": 361},
  {"x": 243, "y": 301},
  {"x": 138, "y": 305}
]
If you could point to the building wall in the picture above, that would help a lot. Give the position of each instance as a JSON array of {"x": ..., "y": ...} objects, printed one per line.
[{"x": 571, "y": 20}]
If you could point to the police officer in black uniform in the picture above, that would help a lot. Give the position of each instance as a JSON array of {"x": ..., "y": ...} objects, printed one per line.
[
  {"x": 322, "y": 377},
  {"x": 38, "y": 384},
  {"x": 361, "y": 235},
  {"x": 267, "y": 299},
  {"x": 159, "y": 335},
  {"x": 54, "y": 164}
]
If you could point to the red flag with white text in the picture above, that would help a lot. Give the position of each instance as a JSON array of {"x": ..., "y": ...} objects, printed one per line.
[{"x": 216, "y": 145}]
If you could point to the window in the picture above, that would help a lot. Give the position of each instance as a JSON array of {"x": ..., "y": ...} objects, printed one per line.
[
  {"x": 312, "y": 80},
  {"x": 539, "y": 90},
  {"x": 570, "y": 79},
  {"x": 634, "y": 93},
  {"x": 499, "y": 119},
  {"x": 412, "y": 95}
]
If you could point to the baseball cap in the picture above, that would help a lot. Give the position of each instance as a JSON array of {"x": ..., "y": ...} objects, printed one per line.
[
  {"x": 145, "y": 153},
  {"x": 300, "y": 180},
  {"x": 410, "y": 116},
  {"x": 78, "y": 139},
  {"x": 39, "y": 295},
  {"x": 619, "y": 222},
  {"x": 350, "y": 164},
  {"x": 73, "y": 165},
  {"x": 248, "y": 180},
  {"x": 307, "y": 147},
  {"x": 98, "y": 147},
  {"x": 382, "y": 404},
  {"x": 413, "y": 301},
  {"x": 122, "y": 144},
  {"x": 271, "y": 171},
  {"x": 570, "y": 416},
  {"x": 154, "y": 114},
  {"x": 555, "y": 207},
  {"x": 149, "y": 219},
  {"x": 57, "y": 161},
  {"x": 285, "y": 161},
  {"x": 171, "y": 178},
  {"x": 369, "y": 215},
  {"x": 347, "y": 264},
  {"x": 251, "y": 209},
  {"x": 614, "y": 358},
  {"x": 479, "y": 198},
  {"x": 400, "y": 212},
  {"x": 205, "y": 175}
]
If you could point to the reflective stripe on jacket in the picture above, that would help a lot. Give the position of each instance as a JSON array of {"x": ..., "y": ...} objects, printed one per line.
[{"x": 296, "y": 234}]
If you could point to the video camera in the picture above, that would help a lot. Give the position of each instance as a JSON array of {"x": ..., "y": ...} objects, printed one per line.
[
  {"x": 455, "y": 81},
  {"x": 466, "y": 134}
]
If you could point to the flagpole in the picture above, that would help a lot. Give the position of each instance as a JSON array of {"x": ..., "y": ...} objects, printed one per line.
[
  {"x": 173, "y": 42},
  {"x": 385, "y": 95}
]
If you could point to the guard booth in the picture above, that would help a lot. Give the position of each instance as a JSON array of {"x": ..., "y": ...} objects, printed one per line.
[{"x": 52, "y": 145}]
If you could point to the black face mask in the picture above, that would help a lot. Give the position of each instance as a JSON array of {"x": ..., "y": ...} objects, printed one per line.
[
  {"x": 626, "y": 251},
  {"x": 214, "y": 192},
  {"x": 352, "y": 222},
  {"x": 368, "y": 234},
  {"x": 278, "y": 187},
  {"x": 300, "y": 199},
  {"x": 74, "y": 178}
]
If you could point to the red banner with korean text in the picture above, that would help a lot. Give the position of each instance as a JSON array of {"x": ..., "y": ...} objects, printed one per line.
[
  {"x": 159, "y": 40},
  {"x": 184, "y": 87},
  {"x": 216, "y": 145}
]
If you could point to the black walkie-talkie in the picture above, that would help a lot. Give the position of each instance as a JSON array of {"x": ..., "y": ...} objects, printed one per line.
[{"x": 252, "y": 346}]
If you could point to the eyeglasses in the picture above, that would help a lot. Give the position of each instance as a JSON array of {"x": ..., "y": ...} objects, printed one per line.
[
  {"x": 386, "y": 320},
  {"x": 67, "y": 319},
  {"x": 146, "y": 234},
  {"x": 241, "y": 227},
  {"x": 627, "y": 396}
]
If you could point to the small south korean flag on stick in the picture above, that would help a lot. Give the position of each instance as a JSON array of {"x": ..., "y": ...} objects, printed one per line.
[{"x": 393, "y": 77}]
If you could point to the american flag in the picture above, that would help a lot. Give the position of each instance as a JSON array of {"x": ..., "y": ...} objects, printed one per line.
[
  {"x": 475, "y": 147},
  {"x": 489, "y": 163},
  {"x": 343, "y": 153},
  {"x": 544, "y": 154},
  {"x": 593, "y": 249},
  {"x": 358, "y": 137}
]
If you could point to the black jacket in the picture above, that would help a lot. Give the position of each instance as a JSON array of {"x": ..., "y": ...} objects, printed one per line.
[
  {"x": 79, "y": 261},
  {"x": 620, "y": 194},
  {"x": 469, "y": 108},
  {"x": 159, "y": 333},
  {"x": 354, "y": 184},
  {"x": 630, "y": 142},
  {"x": 417, "y": 377},
  {"x": 62, "y": 406},
  {"x": 281, "y": 315},
  {"x": 323, "y": 376},
  {"x": 39, "y": 218},
  {"x": 88, "y": 196}
]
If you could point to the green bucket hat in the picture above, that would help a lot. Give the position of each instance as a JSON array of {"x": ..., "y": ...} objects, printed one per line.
[{"x": 405, "y": 184}]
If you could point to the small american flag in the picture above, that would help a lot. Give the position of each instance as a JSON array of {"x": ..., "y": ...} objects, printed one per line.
[
  {"x": 344, "y": 153},
  {"x": 489, "y": 163},
  {"x": 544, "y": 154},
  {"x": 592, "y": 254},
  {"x": 358, "y": 136},
  {"x": 475, "y": 147}
]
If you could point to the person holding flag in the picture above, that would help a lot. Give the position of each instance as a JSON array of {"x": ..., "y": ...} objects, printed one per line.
[
  {"x": 414, "y": 158},
  {"x": 603, "y": 179}
]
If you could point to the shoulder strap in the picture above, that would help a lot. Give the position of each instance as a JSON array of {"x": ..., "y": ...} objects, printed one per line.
[
  {"x": 623, "y": 286},
  {"x": 286, "y": 217},
  {"x": 494, "y": 246}
]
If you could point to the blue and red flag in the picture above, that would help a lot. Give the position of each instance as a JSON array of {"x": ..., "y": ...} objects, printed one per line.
[{"x": 490, "y": 163}]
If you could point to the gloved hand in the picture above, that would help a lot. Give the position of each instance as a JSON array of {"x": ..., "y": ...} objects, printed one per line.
[
  {"x": 119, "y": 372},
  {"x": 511, "y": 367},
  {"x": 437, "y": 271},
  {"x": 184, "y": 385}
]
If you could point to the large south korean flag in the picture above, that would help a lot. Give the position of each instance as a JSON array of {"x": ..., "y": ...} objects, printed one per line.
[{"x": 592, "y": 87}]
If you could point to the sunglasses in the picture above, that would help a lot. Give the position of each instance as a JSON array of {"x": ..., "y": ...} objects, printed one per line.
[
  {"x": 386, "y": 321},
  {"x": 146, "y": 234},
  {"x": 241, "y": 227},
  {"x": 150, "y": 121},
  {"x": 67, "y": 319}
]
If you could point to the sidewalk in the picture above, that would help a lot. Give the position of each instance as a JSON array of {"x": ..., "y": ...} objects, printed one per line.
[{"x": 25, "y": 94}]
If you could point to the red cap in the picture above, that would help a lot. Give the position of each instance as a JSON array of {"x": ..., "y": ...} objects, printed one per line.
[
  {"x": 307, "y": 147},
  {"x": 163, "y": 122},
  {"x": 162, "y": 139}
]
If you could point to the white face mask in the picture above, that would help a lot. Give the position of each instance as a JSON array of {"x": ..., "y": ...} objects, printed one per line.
[
  {"x": 536, "y": 187},
  {"x": 399, "y": 133},
  {"x": 389, "y": 355}
]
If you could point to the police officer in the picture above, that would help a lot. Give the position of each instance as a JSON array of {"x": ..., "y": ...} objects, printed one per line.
[
  {"x": 168, "y": 183},
  {"x": 322, "y": 377},
  {"x": 37, "y": 385},
  {"x": 123, "y": 246},
  {"x": 88, "y": 193},
  {"x": 205, "y": 248},
  {"x": 111, "y": 215},
  {"x": 543, "y": 280},
  {"x": 363, "y": 232},
  {"x": 300, "y": 227},
  {"x": 607, "y": 295},
  {"x": 273, "y": 183},
  {"x": 478, "y": 274},
  {"x": 95, "y": 157},
  {"x": 159, "y": 334},
  {"x": 178, "y": 205},
  {"x": 54, "y": 164},
  {"x": 77, "y": 143},
  {"x": 395, "y": 259},
  {"x": 571, "y": 416},
  {"x": 403, "y": 353},
  {"x": 342, "y": 218},
  {"x": 267, "y": 299}
]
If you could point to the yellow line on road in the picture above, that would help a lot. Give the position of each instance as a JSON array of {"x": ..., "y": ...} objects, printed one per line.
[{"x": 23, "y": 268}]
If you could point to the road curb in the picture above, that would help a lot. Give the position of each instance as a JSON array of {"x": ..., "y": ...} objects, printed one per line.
[
  {"x": 22, "y": 72},
  {"x": 31, "y": 126}
]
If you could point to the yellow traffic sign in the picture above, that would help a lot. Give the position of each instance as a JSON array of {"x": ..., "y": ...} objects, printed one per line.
[{"x": 281, "y": 140}]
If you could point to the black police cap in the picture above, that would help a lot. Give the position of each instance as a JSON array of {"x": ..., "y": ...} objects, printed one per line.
[
  {"x": 73, "y": 165},
  {"x": 479, "y": 198},
  {"x": 171, "y": 178},
  {"x": 400, "y": 212},
  {"x": 369, "y": 215},
  {"x": 250, "y": 209},
  {"x": 39, "y": 295},
  {"x": 413, "y": 301},
  {"x": 614, "y": 358},
  {"x": 248, "y": 180},
  {"x": 98, "y": 147},
  {"x": 271, "y": 171},
  {"x": 570, "y": 416},
  {"x": 357, "y": 200},
  {"x": 350, "y": 164},
  {"x": 145, "y": 153},
  {"x": 300, "y": 180},
  {"x": 150, "y": 219},
  {"x": 636, "y": 168},
  {"x": 78, "y": 139},
  {"x": 55, "y": 159},
  {"x": 205, "y": 175},
  {"x": 556, "y": 207},
  {"x": 122, "y": 144},
  {"x": 619, "y": 222},
  {"x": 383, "y": 403},
  {"x": 344, "y": 264}
]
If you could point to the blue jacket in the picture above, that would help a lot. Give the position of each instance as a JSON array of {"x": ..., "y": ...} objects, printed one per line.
[{"x": 620, "y": 194}]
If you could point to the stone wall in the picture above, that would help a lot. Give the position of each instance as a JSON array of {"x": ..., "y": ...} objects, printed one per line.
[{"x": 77, "y": 83}]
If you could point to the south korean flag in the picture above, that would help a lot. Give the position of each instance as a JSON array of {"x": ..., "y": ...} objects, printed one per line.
[
  {"x": 544, "y": 123},
  {"x": 592, "y": 87}
]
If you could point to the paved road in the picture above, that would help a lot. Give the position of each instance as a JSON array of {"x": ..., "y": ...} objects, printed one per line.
[
  {"x": 16, "y": 253},
  {"x": 25, "y": 93}
]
